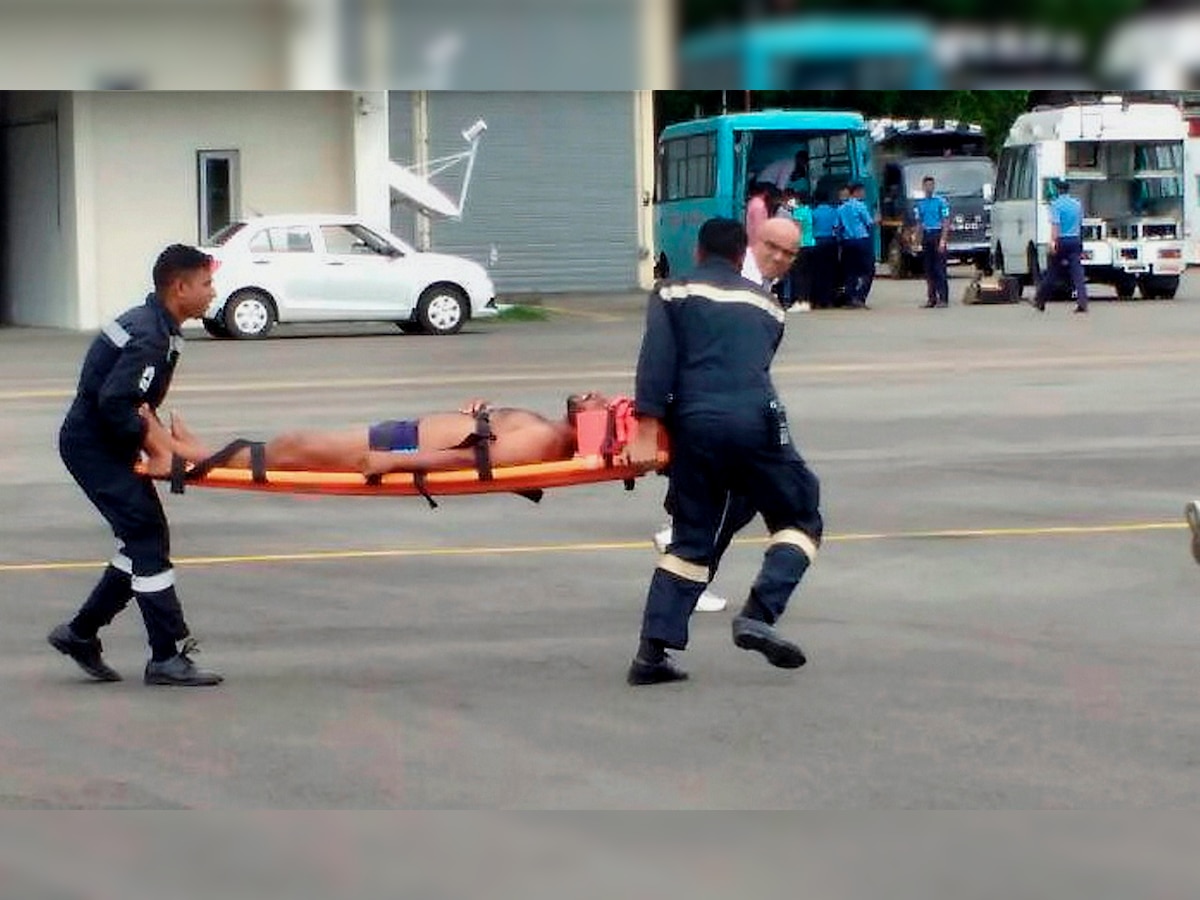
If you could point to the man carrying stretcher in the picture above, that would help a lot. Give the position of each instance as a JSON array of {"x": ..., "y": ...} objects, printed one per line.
[{"x": 434, "y": 442}]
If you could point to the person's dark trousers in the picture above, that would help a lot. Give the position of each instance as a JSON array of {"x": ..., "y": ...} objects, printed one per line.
[
  {"x": 1066, "y": 266},
  {"x": 709, "y": 469},
  {"x": 859, "y": 267},
  {"x": 937, "y": 282},
  {"x": 824, "y": 258},
  {"x": 801, "y": 276},
  {"x": 130, "y": 505}
]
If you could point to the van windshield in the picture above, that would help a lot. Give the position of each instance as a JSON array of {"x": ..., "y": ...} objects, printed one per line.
[{"x": 954, "y": 177}]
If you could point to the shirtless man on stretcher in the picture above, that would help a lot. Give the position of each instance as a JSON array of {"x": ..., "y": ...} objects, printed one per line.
[{"x": 433, "y": 442}]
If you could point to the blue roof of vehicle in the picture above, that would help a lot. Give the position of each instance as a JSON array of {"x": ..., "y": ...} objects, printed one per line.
[
  {"x": 845, "y": 36},
  {"x": 779, "y": 119}
]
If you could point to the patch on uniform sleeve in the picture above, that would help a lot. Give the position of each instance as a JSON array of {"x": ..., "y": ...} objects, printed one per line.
[{"x": 147, "y": 379}]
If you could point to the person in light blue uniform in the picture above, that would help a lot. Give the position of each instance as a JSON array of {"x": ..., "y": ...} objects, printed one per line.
[
  {"x": 826, "y": 229},
  {"x": 858, "y": 257},
  {"x": 932, "y": 213},
  {"x": 1066, "y": 250}
]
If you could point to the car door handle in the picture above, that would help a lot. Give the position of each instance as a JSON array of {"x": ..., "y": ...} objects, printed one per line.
[
  {"x": 262, "y": 262},
  {"x": 334, "y": 262}
]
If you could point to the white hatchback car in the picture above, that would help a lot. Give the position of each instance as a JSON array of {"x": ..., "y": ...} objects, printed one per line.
[{"x": 334, "y": 268}]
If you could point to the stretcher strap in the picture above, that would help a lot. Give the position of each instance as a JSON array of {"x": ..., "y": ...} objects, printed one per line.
[{"x": 181, "y": 473}]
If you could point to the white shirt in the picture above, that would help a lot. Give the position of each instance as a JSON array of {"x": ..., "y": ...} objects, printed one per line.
[
  {"x": 751, "y": 272},
  {"x": 778, "y": 173}
]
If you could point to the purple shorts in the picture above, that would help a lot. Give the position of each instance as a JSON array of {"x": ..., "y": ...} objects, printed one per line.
[{"x": 394, "y": 436}]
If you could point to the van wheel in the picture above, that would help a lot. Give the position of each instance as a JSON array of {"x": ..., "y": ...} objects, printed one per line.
[
  {"x": 1125, "y": 286},
  {"x": 1033, "y": 267}
]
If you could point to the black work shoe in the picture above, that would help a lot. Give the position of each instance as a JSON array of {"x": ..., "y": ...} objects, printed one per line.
[
  {"x": 180, "y": 671},
  {"x": 1080, "y": 309},
  {"x": 752, "y": 634},
  {"x": 85, "y": 652},
  {"x": 641, "y": 673}
]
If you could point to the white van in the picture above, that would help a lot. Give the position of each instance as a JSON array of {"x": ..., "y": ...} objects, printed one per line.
[{"x": 1125, "y": 162}]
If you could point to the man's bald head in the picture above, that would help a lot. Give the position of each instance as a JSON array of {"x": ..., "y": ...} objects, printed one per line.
[{"x": 776, "y": 243}]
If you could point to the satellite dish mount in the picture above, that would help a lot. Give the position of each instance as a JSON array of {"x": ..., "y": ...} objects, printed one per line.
[{"x": 413, "y": 183}]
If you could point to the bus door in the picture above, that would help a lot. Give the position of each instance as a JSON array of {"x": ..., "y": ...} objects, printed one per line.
[{"x": 1051, "y": 167}]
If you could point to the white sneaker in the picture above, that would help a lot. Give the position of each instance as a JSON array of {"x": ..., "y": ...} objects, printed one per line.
[
  {"x": 662, "y": 539},
  {"x": 801, "y": 307}
]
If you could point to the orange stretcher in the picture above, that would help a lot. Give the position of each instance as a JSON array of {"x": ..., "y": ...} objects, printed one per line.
[{"x": 601, "y": 434}]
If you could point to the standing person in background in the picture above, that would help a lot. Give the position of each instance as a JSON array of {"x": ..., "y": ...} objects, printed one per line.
[
  {"x": 823, "y": 258},
  {"x": 1066, "y": 250},
  {"x": 858, "y": 256},
  {"x": 932, "y": 213}
]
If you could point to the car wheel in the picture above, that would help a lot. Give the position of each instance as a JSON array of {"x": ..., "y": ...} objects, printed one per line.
[
  {"x": 249, "y": 315},
  {"x": 442, "y": 309},
  {"x": 215, "y": 327}
]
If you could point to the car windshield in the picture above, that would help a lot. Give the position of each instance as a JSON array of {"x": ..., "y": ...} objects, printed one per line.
[
  {"x": 955, "y": 178},
  {"x": 222, "y": 237}
]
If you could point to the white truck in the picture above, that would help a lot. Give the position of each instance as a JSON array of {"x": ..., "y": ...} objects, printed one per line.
[{"x": 1125, "y": 162}]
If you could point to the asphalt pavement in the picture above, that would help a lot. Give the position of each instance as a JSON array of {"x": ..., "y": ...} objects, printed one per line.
[{"x": 1004, "y": 615}]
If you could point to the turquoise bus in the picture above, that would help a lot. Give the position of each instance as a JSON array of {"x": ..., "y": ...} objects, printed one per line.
[
  {"x": 813, "y": 53},
  {"x": 706, "y": 165}
]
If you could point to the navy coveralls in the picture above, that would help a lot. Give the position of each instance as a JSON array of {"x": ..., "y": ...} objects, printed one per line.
[
  {"x": 704, "y": 371},
  {"x": 130, "y": 362}
]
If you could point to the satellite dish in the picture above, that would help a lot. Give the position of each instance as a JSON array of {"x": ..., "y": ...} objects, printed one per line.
[
  {"x": 419, "y": 192},
  {"x": 413, "y": 185}
]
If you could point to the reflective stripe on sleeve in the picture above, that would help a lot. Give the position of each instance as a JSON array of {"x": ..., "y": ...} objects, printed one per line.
[
  {"x": 722, "y": 295},
  {"x": 116, "y": 333}
]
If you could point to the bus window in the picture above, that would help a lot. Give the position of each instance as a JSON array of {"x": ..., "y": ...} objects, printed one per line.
[{"x": 687, "y": 168}]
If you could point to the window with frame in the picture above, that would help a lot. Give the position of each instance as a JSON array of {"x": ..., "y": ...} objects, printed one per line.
[
  {"x": 282, "y": 240},
  {"x": 688, "y": 167},
  {"x": 218, "y": 179}
]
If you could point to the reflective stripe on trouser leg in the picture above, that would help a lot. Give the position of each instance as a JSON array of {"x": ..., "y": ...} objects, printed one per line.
[
  {"x": 674, "y": 590},
  {"x": 161, "y": 610},
  {"x": 789, "y": 554},
  {"x": 110, "y": 595}
]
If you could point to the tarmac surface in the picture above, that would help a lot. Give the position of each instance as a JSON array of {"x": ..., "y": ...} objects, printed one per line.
[{"x": 1004, "y": 615}]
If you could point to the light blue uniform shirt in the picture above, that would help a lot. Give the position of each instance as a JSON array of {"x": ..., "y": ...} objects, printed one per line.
[
  {"x": 932, "y": 212},
  {"x": 803, "y": 215},
  {"x": 1067, "y": 213},
  {"x": 825, "y": 221},
  {"x": 856, "y": 220}
]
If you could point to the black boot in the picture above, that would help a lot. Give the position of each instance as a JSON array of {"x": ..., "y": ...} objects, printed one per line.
[
  {"x": 180, "y": 671},
  {"x": 85, "y": 652}
]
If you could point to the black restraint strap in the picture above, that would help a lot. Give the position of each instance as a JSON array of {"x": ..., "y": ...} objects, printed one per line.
[
  {"x": 180, "y": 473},
  {"x": 480, "y": 440}
]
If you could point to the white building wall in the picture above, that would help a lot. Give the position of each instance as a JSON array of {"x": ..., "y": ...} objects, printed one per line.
[{"x": 138, "y": 173}]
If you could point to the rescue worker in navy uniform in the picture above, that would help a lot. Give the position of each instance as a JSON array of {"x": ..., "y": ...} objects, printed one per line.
[
  {"x": 125, "y": 377},
  {"x": 704, "y": 375}
]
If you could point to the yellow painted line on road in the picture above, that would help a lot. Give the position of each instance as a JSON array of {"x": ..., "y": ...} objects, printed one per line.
[
  {"x": 431, "y": 552},
  {"x": 581, "y": 376}
]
